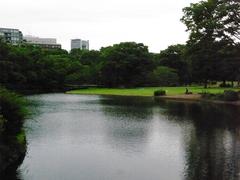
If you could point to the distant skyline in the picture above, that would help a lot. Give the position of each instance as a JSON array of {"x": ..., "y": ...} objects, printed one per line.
[{"x": 156, "y": 23}]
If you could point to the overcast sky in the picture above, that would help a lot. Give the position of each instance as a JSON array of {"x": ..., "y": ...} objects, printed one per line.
[{"x": 156, "y": 23}]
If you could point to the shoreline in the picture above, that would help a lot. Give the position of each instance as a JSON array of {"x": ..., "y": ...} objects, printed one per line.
[
  {"x": 197, "y": 98},
  {"x": 13, "y": 145},
  {"x": 180, "y": 98},
  {"x": 13, "y": 149}
]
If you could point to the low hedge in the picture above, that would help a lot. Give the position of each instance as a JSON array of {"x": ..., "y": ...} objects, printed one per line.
[
  {"x": 226, "y": 85},
  {"x": 160, "y": 92}
]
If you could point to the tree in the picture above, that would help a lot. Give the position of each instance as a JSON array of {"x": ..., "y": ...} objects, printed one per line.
[
  {"x": 125, "y": 64},
  {"x": 173, "y": 57},
  {"x": 213, "y": 25},
  {"x": 214, "y": 20},
  {"x": 86, "y": 57},
  {"x": 165, "y": 76}
]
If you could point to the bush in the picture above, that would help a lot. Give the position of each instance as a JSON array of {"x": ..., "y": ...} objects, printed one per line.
[
  {"x": 165, "y": 76},
  {"x": 12, "y": 108},
  {"x": 225, "y": 85},
  {"x": 160, "y": 92},
  {"x": 213, "y": 82},
  {"x": 211, "y": 96},
  {"x": 230, "y": 95}
]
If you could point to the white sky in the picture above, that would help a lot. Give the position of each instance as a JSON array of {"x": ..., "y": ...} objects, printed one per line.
[{"x": 156, "y": 23}]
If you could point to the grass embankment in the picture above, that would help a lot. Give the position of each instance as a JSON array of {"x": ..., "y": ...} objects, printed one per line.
[
  {"x": 21, "y": 137},
  {"x": 149, "y": 91}
]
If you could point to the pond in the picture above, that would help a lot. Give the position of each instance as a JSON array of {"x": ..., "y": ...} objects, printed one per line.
[{"x": 80, "y": 137}]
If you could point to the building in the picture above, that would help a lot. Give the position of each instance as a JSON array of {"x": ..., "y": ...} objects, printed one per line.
[
  {"x": 48, "y": 43},
  {"x": 13, "y": 36},
  {"x": 79, "y": 44}
]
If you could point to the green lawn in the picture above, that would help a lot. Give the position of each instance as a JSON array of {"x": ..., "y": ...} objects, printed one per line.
[{"x": 146, "y": 91}]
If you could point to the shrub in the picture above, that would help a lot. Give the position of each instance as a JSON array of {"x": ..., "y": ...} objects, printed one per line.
[
  {"x": 213, "y": 83},
  {"x": 230, "y": 95},
  {"x": 2, "y": 121},
  {"x": 159, "y": 92},
  {"x": 165, "y": 76},
  {"x": 225, "y": 85},
  {"x": 12, "y": 108}
]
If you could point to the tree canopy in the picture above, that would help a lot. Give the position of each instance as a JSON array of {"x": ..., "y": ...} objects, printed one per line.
[
  {"x": 125, "y": 64},
  {"x": 214, "y": 27},
  {"x": 212, "y": 53}
]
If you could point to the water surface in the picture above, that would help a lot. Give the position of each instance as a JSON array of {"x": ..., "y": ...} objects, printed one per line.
[{"x": 79, "y": 137}]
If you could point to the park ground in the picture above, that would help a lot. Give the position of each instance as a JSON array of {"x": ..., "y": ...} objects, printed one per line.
[{"x": 148, "y": 91}]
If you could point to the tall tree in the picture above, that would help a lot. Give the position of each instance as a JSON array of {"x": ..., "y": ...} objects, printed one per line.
[
  {"x": 125, "y": 64},
  {"x": 213, "y": 20},
  {"x": 173, "y": 57},
  {"x": 213, "y": 25}
]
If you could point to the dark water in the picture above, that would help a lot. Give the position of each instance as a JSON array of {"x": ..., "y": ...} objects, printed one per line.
[{"x": 74, "y": 137}]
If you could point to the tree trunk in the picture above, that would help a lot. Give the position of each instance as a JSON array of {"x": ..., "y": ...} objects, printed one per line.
[
  {"x": 224, "y": 83},
  {"x": 205, "y": 84}
]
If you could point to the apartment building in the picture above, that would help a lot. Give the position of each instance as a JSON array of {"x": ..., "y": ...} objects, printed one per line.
[
  {"x": 13, "y": 36},
  {"x": 49, "y": 43}
]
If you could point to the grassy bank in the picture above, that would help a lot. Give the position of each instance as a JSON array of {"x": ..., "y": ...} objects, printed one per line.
[{"x": 148, "y": 91}]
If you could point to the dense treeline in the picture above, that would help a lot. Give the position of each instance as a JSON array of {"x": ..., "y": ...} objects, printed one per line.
[
  {"x": 122, "y": 65},
  {"x": 212, "y": 53}
]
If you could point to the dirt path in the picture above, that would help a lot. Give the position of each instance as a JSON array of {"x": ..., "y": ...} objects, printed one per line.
[{"x": 197, "y": 97}]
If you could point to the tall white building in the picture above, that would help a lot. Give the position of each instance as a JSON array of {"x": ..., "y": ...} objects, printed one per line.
[{"x": 79, "y": 44}]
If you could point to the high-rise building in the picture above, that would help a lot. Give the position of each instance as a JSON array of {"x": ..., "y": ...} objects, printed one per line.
[
  {"x": 49, "y": 43},
  {"x": 13, "y": 36},
  {"x": 79, "y": 44}
]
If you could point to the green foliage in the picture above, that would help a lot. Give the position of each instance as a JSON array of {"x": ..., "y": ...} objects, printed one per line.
[
  {"x": 12, "y": 107},
  {"x": 2, "y": 122},
  {"x": 206, "y": 57},
  {"x": 27, "y": 67},
  {"x": 225, "y": 85},
  {"x": 160, "y": 92},
  {"x": 86, "y": 57},
  {"x": 165, "y": 76},
  {"x": 213, "y": 20},
  {"x": 227, "y": 95},
  {"x": 174, "y": 57},
  {"x": 213, "y": 46},
  {"x": 21, "y": 137},
  {"x": 125, "y": 64},
  {"x": 149, "y": 91}
]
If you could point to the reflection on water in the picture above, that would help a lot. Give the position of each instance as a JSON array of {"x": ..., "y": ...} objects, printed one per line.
[
  {"x": 212, "y": 148},
  {"x": 94, "y": 137},
  {"x": 128, "y": 125}
]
